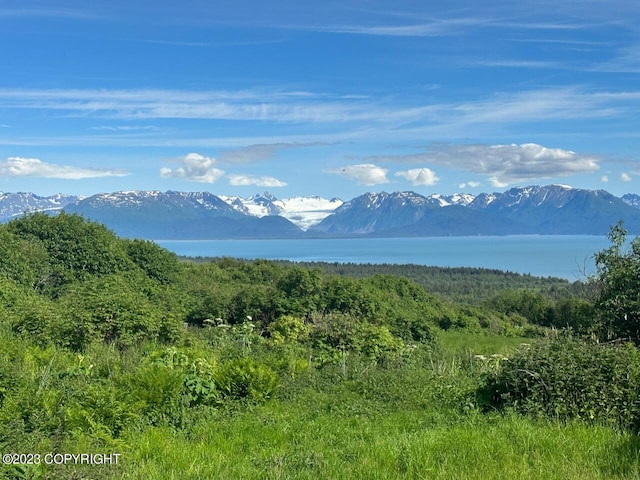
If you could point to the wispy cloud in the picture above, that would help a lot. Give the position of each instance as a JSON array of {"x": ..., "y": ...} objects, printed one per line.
[
  {"x": 626, "y": 60},
  {"x": 37, "y": 11},
  {"x": 364, "y": 174},
  {"x": 529, "y": 64},
  {"x": 297, "y": 106},
  {"x": 262, "y": 105},
  {"x": 503, "y": 164},
  {"x": 124, "y": 128},
  {"x": 344, "y": 117},
  {"x": 429, "y": 28},
  {"x": 259, "y": 152},
  {"x": 33, "y": 167}
]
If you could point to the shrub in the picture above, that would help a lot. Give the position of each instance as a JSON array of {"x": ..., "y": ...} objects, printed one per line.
[
  {"x": 568, "y": 378},
  {"x": 248, "y": 379},
  {"x": 288, "y": 329},
  {"x": 157, "y": 388},
  {"x": 198, "y": 384}
]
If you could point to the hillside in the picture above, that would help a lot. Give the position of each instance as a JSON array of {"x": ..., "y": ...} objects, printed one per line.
[{"x": 234, "y": 369}]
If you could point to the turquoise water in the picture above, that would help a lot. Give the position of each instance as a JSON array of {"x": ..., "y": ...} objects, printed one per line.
[{"x": 564, "y": 256}]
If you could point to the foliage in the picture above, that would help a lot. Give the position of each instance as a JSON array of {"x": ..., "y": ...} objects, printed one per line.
[
  {"x": 246, "y": 378},
  {"x": 109, "y": 308},
  {"x": 618, "y": 284},
  {"x": 208, "y": 370},
  {"x": 464, "y": 285},
  {"x": 567, "y": 378},
  {"x": 158, "y": 263},
  {"x": 288, "y": 329},
  {"x": 76, "y": 248},
  {"x": 22, "y": 261}
]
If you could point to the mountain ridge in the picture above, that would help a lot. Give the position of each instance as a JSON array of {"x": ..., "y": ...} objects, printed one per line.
[{"x": 152, "y": 214}]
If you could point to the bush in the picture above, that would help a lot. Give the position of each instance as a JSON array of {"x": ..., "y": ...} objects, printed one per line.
[
  {"x": 568, "y": 378},
  {"x": 288, "y": 329},
  {"x": 247, "y": 379},
  {"x": 157, "y": 389}
]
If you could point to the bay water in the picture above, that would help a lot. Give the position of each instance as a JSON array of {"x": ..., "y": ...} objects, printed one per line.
[{"x": 564, "y": 256}]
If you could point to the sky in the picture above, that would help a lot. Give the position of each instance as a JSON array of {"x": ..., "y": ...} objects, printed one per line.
[{"x": 330, "y": 98}]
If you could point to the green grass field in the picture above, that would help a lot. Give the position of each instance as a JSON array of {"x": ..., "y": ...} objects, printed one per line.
[{"x": 329, "y": 439}]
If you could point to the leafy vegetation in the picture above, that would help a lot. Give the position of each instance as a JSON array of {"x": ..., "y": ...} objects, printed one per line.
[{"x": 236, "y": 369}]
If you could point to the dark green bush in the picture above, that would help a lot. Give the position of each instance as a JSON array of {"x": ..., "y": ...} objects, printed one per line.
[{"x": 569, "y": 378}]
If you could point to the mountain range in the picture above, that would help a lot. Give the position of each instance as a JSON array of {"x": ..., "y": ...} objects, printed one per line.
[{"x": 551, "y": 209}]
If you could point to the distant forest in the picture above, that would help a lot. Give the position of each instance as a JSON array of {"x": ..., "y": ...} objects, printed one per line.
[{"x": 466, "y": 285}]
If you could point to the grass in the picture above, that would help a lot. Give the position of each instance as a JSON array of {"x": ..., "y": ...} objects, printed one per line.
[
  {"x": 277, "y": 442},
  {"x": 461, "y": 342},
  {"x": 417, "y": 423},
  {"x": 413, "y": 420}
]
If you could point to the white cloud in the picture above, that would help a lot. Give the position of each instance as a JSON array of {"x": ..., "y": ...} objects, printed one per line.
[
  {"x": 504, "y": 164},
  {"x": 496, "y": 182},
  {"x": 419, "y": 176},
  {"x": 33, "y": 167},
  {"x": 196, "y": 168},
  {"x": 625, "y": 177},
  {"x": 604, "y": 178},
  {"x": 246, "y": 180},
  {"x": 471, "y": 184},
  {"x": 365, "y": 174}
]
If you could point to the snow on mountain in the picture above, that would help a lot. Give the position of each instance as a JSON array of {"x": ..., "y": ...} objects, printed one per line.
[
  {"x": 462, "y": 199},
  {"x": 301, "y": 211},
  {"x": 16, "y": 204},
  {"x": 631, "y": 199},
  {"x": 308, "y": 211}
]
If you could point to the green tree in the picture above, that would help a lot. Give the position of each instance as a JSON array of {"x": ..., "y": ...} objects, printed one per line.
[
  {"x": 618, "y": 286},
  {"x": 77, "y": 248},
  {"x": 158, "y": 263}
]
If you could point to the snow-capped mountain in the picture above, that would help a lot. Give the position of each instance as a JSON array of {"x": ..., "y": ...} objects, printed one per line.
[
  {"x": 178, "y": 215},
  {"x": 16, "y": 204},
  {"x": 301, "y": 211},
  {"x": 631, "y": 199},
  {"x": 552, "y": 209},
  {"x": 462, "y": 199},
  {"x": 373, "y": 212}
]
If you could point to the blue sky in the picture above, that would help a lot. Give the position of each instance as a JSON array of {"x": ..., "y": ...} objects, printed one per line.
[{"x": 331, "y": 98}]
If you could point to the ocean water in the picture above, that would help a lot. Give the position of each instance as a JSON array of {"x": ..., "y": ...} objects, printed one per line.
[{"x": 564, "y": 256}]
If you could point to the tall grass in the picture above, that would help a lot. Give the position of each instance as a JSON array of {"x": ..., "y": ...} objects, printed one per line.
[
  {"x": 277, "y": 442},
  {"x": 383, "y": 423}
]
